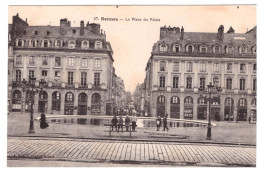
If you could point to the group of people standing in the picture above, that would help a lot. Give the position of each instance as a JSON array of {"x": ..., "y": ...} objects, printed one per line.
[
  {"x": 118, "y": 123},
  {"x": 159, "y": 123}
]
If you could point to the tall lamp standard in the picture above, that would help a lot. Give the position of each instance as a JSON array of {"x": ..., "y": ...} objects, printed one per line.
[
  {"x": 210, "y": 89},
  {"x": 32, "y": 90}
]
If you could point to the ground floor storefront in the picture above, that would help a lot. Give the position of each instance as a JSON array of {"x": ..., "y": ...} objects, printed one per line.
[
  {"x": 63, "y": 101},
  {"x": 224, "y": 107}
]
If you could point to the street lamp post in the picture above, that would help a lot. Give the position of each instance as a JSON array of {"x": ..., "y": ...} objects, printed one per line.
[
  {"x": 210, "y": 89},
  {"x": 32, "y": 93}
]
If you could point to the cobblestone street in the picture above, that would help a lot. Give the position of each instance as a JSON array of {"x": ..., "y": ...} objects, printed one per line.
[{"x": 130, "y": 152}]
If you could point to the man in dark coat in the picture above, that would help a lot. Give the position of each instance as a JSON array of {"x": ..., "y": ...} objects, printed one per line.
[
  {"x": 114, "y": 122},
  {"x": 165, "y": 123},
  {"x": 127, "y": 122}
]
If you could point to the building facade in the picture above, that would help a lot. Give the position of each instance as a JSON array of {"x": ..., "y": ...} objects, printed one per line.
[
  {"x": 183, "y": 63},
  {"x": 75, "y": 62}
]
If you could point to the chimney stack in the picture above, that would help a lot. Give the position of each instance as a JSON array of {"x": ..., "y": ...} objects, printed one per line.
[
  {"x": 221, "y": 32},
  {"x": 231, "y": 30},
  {"x": 182, "y": 32},
  {"x": 81, "y": 27}
]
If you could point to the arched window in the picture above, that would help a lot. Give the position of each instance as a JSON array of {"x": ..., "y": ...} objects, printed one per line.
[
  {"x": 55, "y": 95},
  {"x": 175, "y": 100},
  {"x": 229, "y": 102},
  {"x": 56, "y": 101},
  {"x": 98, "y": 45},
  {"x": 163, "y": 47},
  {"x": 202, "y": 101},
  {"x": 82, "y": 98},
  {"x": 230, "y": 49},
  {"x": 161, "y": 99},
  {"x": 43, "y": 95},
  {"x": 176, "y": 48},
  {"x": 253, "y": 103},
  {"x": 71, "y": 44},
  {"x": 96, "y": 98},
  {"x": 215, "y": 101},
  {"x": 242, "y": 50},
  {"x": 45, "y": 43},
  {"x": 188, "y": 100},
  {"x": 242, "y": 102},
  {"x": 20, "y": 42},
  {"x": 189, "y": 49},
  {"x": 69, "y": 97}
]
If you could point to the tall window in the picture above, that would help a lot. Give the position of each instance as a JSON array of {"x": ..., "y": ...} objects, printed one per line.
[
  {"x": 175, "y": 82},
  {"x": 162, "y": 81},
  {"x": 71, "y": 61},
  {"x": 242, "y": 84},
  {"x": 20, "y": 43},
  {"x": 19, "y": 60},
  {"x": 84, "y": 62},
  {"x": 70, "y": 78},
  {"x": 44, "y": 73},
  {"x": 96, "y": 79},
  {"x": 229, "y": 67},
  {"x": 189, "y": 67},
  {"x": 202, "y": 83},
  {"x": 18, "y": 76},
  {"x": 216, "y": 67},
  {"x": 202, "y": 67},
  {"x": 242, "y": 68},
  {"x": 31, "y": 74},
  {"x": 32, "y": 60},
  {"x": 45, "y": 43},
  {"x": 44, "y": 60},
  {"x": 254, "y": 84},
  {"x": 176, "y": 67},
  {"x": 97, "y": 63},
  {"x": 242, "y": 102},
  {"x": 229, "y": 84},
  {"x": 216, "y": 81},
  {"x": 189, "y": 83},
  {"x": 83, "y": 78},
  {"x": 162, "y": 66},
  {"x": 163, "y": 48},
  {"x": 57, "y": 61},
  {"x": 69, "y": 97}
]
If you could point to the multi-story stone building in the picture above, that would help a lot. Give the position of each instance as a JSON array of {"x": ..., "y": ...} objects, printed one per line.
[
  {"x": 183, "y": 63},
  {"x": 75, "y": 62}
]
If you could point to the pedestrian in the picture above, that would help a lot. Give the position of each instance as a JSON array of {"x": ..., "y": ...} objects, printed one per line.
[
  {"x": 114, "y": 122},
  {"x": 43, "y": 123},
  {"x": 120, "y": 124},
  {"x": 127, "y": 122},
  {"x": 165, "y": 123},
  {"x": 134, "y": 120},
  {"x": 158, "y": 122},
  {"x": 249, "y": 119}
]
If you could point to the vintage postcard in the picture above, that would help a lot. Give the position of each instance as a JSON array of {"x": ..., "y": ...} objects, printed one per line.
[{"x": 122, "y": 86}]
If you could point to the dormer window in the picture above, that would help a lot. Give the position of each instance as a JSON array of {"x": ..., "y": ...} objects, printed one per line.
[
  {"x": 163, "y": 48},
  {"x": 98, "y": 45},
  {"x": 20, "y": 42},
  {"x": 254, "y": 50},
  {"x": 58, "y": 43},
  {"x": 85, "y": 45},
  {"x": 216, "y": 49},
  {"x": 230, "y": 49},
  {"x": 45, "y": 43},
  {"x": 71, "y": 44},
  {"x": 203, "y": 49},
  {"x": 189, "y": 48},
  {"x": 176, "y": 48},
  {"x": 242, "y": 50},
  {"x": 33, "y": 43}
]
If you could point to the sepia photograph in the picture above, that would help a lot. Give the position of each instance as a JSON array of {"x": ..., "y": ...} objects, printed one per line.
[{"x": 131, "y": 86}]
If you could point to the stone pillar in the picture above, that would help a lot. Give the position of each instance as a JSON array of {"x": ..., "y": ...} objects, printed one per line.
[
  {"x": 182, "y": 106},
  {"x": 89, "y": 103},
  {"x": 36, "y": 102},
  {"x": 222, "y": 107},
  {"x": 49, "y": 110},
  {"x": 62, "y": 101},
  {"x": 168, "y": 104},
  {"x": 235, "y": 108},
  {"x": 23, "y": 97},
  {"x": 76, "y": 102},
  {"x": 195, "y": 107},
  {"x": 155, "y": 72}
]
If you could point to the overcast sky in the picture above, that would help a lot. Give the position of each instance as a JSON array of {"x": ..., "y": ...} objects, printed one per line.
[{"x": 132, "y": 41}]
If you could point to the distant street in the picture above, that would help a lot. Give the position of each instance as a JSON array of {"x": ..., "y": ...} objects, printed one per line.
[{"x": 127, "y": 152}]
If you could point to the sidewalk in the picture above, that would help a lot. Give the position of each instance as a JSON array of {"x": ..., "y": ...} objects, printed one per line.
[{"x": 223, "y": 132}]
